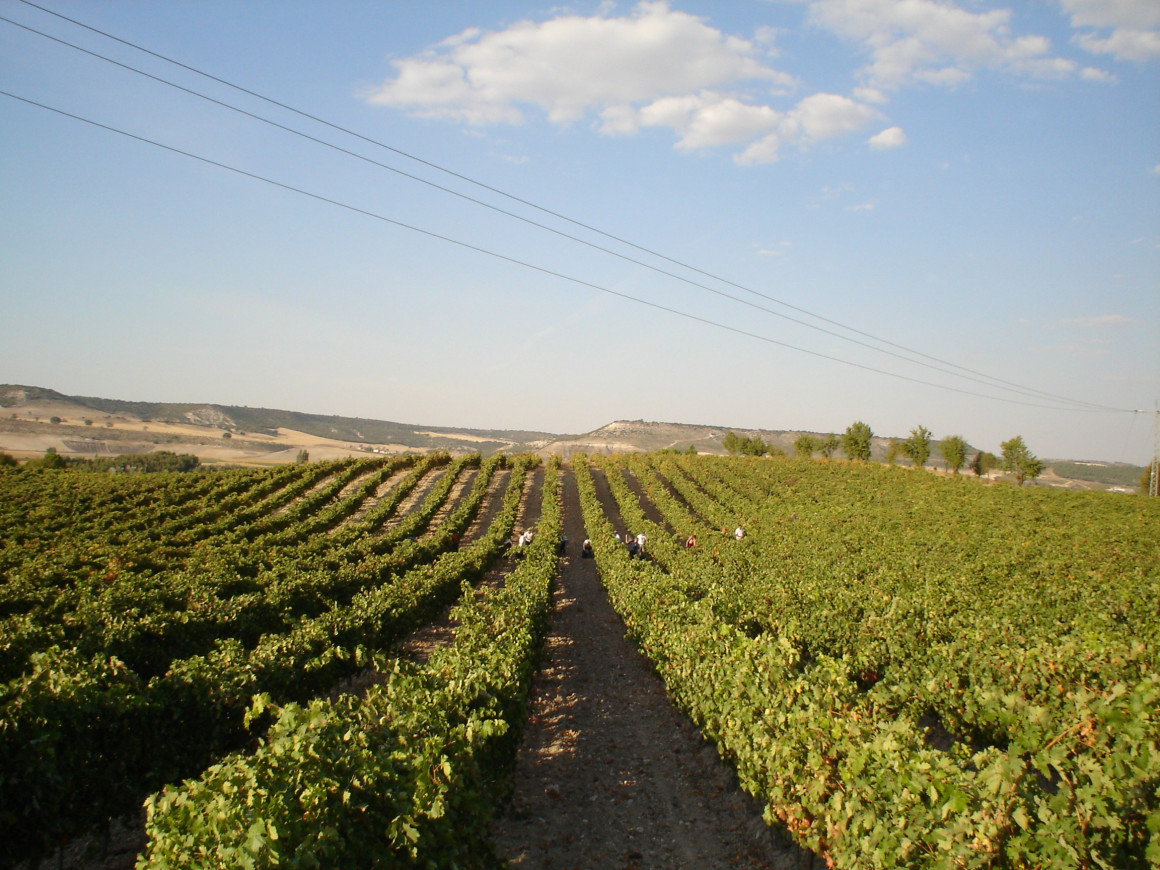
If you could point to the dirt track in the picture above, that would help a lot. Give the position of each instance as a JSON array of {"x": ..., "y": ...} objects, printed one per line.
[{"x": 610, "y": 774}]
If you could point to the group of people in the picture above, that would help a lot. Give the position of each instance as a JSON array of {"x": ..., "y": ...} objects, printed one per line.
[{"x": 636, "y": 544}]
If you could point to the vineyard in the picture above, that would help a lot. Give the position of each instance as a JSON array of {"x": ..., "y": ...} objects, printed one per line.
[{"x": 328, "y": 664}]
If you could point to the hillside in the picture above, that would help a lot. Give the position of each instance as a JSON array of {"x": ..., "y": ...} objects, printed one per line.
[{"x": 35, "y": 419}]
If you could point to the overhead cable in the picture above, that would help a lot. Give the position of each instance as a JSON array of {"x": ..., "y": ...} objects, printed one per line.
[
  {"x": 970, "y": 374},
  {"x": 522, "y": 263}
]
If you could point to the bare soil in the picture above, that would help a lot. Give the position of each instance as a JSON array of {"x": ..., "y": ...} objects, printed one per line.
[{"x": 610, "y": 774}]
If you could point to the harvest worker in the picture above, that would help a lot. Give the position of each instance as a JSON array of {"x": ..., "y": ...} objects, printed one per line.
[
  {"x": 586, "y": 549},
  {"x": 690, "y": 542},
  {"x": 640, "y": 539},
  {"x": 739, "y": 533}
]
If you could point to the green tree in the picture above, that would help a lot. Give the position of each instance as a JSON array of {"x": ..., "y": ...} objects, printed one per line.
[
  {"x": 893, "y": 451},
  {"x": 826, "y": 446},
  {"x": 804, "y": 447},
  {"x": 983, "y": 462},
  {"x": 856, "y": 441},
  {"x": 691, "y": 450},
  {"x": 303, "y": 457},
  {"x": 954, "y": 450},
  {"x": 1019, "y": 460},
  {"x": 917, "y": 446},
  {"x": 51, "y": 459},
  {"x": 7, "y": 460},
  {"x": 734, "y": 444}
]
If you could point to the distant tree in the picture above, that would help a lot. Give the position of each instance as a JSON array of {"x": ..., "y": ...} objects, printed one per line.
[
  {"x": 734, "y": 444},
  {"x": 954, "y": 450},
  {"x": 691, "y": 450},
  {"x": 917, "y": 446},
  {"x": 984, "y": 462},
  {"x": 51, "y": 459},
  {"x": 226, "y": 435},
  {"x": 7, "y": 460},
  {"x": 856, "y": 441},
  {"x": 826, "y": 446},
  {"x": 54, "y": 419},
  {"x": 804, "y": 446},
  {"x": 893, "y": 451},
  {"x": 303, "y": 457},
  {"x": 88, "y": 422},
  {"x": 1019, "y": 460}
]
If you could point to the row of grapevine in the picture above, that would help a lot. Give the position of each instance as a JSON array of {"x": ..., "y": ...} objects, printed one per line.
[
  {"x": 404, "y": 776},
  {"x": 85, "y": 733},
  {"x": 904, "y": 678}
]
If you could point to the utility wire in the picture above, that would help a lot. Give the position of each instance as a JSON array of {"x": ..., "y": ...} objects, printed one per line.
[
  {"x": 990, "y": 380},
  {"x": 522, "y": 263},
  {"x": 947, "y": 371}
]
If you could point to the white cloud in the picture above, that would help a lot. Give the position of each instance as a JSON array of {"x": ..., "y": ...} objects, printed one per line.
[
  {"x": 933, "y": 42},
  {"x": 1132, "y": 26},
  {"x": 1124, "y": 44},
  {"x": 655, "y": 67},
  {"x": 862, "y": 206},
  {"x": 1091, "y": 74},
  {"x": 824, "y": 116},
  {"x": 1156, "y": 169},
  {"x": 710, "y": 120},
  {"x": 1138, "y": 14},
  {"x": 1073, "y": 349},
  {"x": 816, "y": 118},
  {"x": 891, "y": 137},
  {"x": 571, "y": 65},
  {"x": 1097, "y": 321}
]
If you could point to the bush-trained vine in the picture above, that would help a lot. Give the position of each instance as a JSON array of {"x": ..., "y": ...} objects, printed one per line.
[
  {"x": 131, "y": 659},
  {"x": 908, "y": 672}
]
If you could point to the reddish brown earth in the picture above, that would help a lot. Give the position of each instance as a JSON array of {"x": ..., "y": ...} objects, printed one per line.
[{"x": 611, "y": 775}]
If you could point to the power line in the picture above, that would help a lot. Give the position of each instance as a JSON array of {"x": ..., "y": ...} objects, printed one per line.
[
  {"x": 324, "y": 143},
  {"x": 515, "y": 261},
  {"x": 971, "y": 374}
]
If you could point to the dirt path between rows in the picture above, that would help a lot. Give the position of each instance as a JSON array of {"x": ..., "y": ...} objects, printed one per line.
[{"x": 610, "y": 774}]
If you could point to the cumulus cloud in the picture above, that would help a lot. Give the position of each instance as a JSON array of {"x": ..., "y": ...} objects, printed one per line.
[
  {"x": 1128, "y": 29},
  {"x": 891, "y": 137},
  {"x": 570, "y": 65},
  {"x": 933, "y": 42},
  {"x": 1098, "y": 320},
  {"x": 654, "y": 67},
  {"x": 816, "y": 118}
]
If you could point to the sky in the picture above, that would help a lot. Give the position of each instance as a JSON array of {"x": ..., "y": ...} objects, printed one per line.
[{"x": 784, "y": 215}]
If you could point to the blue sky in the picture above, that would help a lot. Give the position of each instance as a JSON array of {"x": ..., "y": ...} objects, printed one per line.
[{"x": 971, "y": 187}]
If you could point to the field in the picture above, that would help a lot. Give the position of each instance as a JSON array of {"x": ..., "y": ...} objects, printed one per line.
[{"x": 329, "y": 664}]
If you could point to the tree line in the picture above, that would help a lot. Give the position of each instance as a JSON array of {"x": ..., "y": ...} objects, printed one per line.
[{"x": 855, "y": 442}]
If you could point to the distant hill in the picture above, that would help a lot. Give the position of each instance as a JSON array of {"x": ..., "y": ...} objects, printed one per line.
[
  {"x": 218, "y": 419},
  {"x": 1112, "y": 474},
  {"x": 38, "y": 418}
]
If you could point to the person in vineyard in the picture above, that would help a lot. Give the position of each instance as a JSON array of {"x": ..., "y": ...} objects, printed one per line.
[
  {"x": 586, "y": 549},
  {"x": 690, "y": 542},
  {"x": 640, "y": 541},
  {"x": 739, "y": 533},
  {"x": 633, "y": 547}
]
